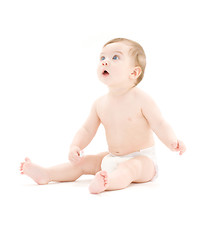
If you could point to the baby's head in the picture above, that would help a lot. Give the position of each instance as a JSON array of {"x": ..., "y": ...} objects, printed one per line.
[{"x": 136, "y": 53}]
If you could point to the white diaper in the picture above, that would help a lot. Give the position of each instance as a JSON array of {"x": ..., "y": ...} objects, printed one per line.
[{"x": 110, "y": 161}]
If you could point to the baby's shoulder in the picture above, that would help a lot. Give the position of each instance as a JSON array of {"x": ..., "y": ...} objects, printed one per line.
[
  {"x": 140, "y": 94},
  {"x": 99, "y": 101},
  {"x": 144, "y": 99}
]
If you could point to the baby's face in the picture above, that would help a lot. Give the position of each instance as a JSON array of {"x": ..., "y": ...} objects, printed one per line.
[{"x": 115, "y": 66}]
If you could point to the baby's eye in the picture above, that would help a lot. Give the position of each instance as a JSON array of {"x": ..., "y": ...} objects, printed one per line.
[
  {"x": 115, "y": 57},
  {"x": 102, "y": 58}
]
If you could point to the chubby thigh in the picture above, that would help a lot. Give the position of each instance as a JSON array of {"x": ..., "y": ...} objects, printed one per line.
[{"x": 141, "y": 168}]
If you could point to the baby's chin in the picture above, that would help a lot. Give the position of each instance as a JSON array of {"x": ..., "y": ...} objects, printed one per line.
[{"x": 105, "y": 79}]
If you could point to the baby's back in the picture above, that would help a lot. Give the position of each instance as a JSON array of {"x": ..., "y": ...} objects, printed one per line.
[{"x": 127, "y": 130}]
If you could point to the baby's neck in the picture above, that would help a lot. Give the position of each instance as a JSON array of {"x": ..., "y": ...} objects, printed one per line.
[{"x": 117, "y": 92}]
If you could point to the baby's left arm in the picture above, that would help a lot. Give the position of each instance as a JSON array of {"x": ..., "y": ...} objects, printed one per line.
[{"x": 158, "y": 124}]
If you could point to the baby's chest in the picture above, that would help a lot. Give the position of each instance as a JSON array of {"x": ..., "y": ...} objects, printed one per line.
[{"x": 120, "y": 115}]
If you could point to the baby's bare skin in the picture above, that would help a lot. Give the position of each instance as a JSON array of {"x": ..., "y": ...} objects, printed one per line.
[
  {"x": 127, "y": 129},
  {"x": 36, "y": 172},
  {"x": 129, "y": 116}
]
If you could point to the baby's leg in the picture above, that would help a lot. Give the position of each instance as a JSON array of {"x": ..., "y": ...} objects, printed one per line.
[
  {"x": 41, "y": 175},
  {"x": 66, "y": 172},
  {"x": 138, "y": 169}
]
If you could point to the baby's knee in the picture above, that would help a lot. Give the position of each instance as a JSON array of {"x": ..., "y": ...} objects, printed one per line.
[
  {"x": 82, "y": 166},
  {"x": 91, "y": 164}
]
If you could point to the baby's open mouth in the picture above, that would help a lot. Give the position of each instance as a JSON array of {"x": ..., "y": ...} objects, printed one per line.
[{"x": 105, "y": 73}]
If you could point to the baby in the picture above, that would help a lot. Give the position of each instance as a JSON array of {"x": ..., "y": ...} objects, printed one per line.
[{"x": 129, "y": 117}]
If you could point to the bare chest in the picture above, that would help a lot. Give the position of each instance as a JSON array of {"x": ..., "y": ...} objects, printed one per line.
[{"x": 122, "y": 114}]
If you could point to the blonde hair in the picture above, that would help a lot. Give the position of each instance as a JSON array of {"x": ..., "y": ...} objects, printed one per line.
[{"x": 137, "y": 52}]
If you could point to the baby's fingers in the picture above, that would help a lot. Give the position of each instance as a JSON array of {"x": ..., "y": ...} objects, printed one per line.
[
  {"x": 182, "y": 147},
  {"x": 182, "y": 150},
  {"x": 76, "y": 158}
]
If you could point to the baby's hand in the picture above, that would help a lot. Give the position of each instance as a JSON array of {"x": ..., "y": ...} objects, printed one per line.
[
  {"x": 178, "y": 146},
  {"x": 75, "y": 154}
]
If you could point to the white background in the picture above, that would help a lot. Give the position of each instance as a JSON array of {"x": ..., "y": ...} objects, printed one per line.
[{"x": 49, "y": 51}]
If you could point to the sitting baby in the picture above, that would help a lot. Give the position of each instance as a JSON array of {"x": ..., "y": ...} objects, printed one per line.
[{"x": 129, "y": 117}]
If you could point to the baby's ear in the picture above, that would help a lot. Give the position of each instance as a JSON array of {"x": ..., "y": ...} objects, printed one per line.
[{"x": 136, "y": 72}]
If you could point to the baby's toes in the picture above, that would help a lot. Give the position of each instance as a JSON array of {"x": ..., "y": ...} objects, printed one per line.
[
  {"x": 21, "y": 171},
  {"x": 21, "y": 166},
  {"x": 103, "y": 174},
  {"x": 27, "y": 160},
  {"x": 105, "y": 180}
]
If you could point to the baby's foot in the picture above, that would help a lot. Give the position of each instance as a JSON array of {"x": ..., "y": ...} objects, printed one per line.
[
  {"x": 37, "y": 173},
  {"x": 99, "y": 183}
]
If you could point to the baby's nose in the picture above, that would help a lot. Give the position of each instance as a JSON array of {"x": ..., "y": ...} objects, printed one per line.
[{"x": 105, "y": 62}]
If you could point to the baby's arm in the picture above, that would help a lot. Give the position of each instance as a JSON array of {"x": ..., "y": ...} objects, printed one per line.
[
  {"x": 85, "y": 134},
  {"x": 159, "y": 125}
]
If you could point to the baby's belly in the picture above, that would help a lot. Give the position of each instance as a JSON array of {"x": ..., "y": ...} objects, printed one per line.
[{"x": 123, "y": 144}]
